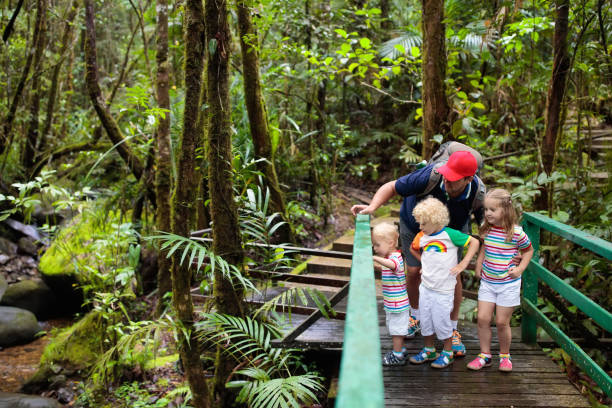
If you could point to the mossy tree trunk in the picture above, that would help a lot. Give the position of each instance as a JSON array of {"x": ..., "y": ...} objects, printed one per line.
[
  {"x": 554, "y": 100},
  {"x": 95, "y": 94},
  {"x": 163, "y": 173},
  {"x": 31, "y": 141},
  {"x": 227, "y": 241},
  {"x": 436, "y": 112},
  {"x": 183, "y": 199},
  {"x": 256, "y": 109}
]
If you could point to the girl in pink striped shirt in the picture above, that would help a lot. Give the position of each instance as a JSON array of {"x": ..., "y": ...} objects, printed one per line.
[{"x": 500, "y": 276}]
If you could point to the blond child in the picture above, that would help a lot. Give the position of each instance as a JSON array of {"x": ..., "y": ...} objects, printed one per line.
[
  {"x": 395, "y": 297},
  {"x": 436, "y": 247},
  {"x": 500, "y": 276}
]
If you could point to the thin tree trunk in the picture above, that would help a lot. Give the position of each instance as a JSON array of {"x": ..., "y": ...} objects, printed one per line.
[
  {"x": 163, "y": 175},
  {"x": 53, "y": 91},
  {"x": 202, "y": 211},
  {"x": 256, "y": 109},
  {"x": 29, "y": 151},
  {"x": 10, "y": 117},
  {"x": 556, "y": 93},
  {"x": 227, "y": 241},
  {"x": 183, "y": 199},
  {"x": 436, "y": 111},
  {"x": 95, "y": 94}
]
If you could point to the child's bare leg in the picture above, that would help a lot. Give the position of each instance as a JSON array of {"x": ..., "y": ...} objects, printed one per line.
[
  {"x": 429, "y": 341},
  {"x": 485, "y": 312},
  {"x": 398, "y": 343},
  {"x": 458, "y": 297},
  {"x": 502, "y": 320},
  {"x": 448, "y": 345}
]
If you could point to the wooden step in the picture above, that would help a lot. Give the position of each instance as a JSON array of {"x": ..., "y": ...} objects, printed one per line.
[
  {"x": 344, "y": 243},
  {"x": 329, "y": 266}
]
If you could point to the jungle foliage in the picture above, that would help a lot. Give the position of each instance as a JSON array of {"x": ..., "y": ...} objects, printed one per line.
[{"x": 106, "y": 110}]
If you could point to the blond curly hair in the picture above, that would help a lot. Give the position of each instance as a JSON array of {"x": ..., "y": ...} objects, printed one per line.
[
  {"x": 386, "y": 231},
  {"x": 431, "y": 211}
]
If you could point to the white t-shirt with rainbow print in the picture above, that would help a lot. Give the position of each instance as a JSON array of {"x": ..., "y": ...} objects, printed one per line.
[{"x": 439, "y": 256}]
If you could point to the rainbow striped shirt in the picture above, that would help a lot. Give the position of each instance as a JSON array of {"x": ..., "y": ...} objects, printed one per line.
[
  {"x": 395, "y": 297},
  {"x": 499, "y": 253}
]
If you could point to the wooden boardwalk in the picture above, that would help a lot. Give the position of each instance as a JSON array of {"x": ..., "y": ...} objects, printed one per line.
[{"x": 536, "y": 380}]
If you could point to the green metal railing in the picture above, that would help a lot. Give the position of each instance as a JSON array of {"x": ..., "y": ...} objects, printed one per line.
[
  {"x": 360, "y": 383},
  {"x": 535, "y": 272}
]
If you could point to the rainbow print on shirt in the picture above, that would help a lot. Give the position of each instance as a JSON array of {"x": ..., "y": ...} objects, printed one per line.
[{"x": 435, "y": 246}]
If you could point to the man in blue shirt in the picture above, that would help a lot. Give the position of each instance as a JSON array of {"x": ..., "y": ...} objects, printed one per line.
[{"x": 458, "y": 189}]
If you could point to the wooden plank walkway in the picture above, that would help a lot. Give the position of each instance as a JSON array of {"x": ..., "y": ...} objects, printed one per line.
[{"x": 536, "y": 380}]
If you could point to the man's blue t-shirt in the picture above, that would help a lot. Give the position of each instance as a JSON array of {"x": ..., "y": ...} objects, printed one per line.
[{"x": 410, "y": 185}]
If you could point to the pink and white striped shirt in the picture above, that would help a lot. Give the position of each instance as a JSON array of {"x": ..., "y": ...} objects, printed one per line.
[{"x": 499, "y": 254}]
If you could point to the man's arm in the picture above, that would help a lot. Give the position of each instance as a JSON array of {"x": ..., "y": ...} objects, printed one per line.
[{"x": 383, "y": 194}]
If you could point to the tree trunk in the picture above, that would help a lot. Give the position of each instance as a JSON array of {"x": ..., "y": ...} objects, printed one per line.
[
  {"x": 51, "y": 98},
  {"x": 31, "y": 141},
  {"x": 226, "y": 234},
  {"x": 95, "y": 94},
  {"x": 183, "y": 199},
  {"x": 256, "y": 109},
  {"x": 556, "y": 92},
  {"x": 436, "y": 111},
  {"x": 10, "y": 117},
  {"x": 163, "y": 174}
]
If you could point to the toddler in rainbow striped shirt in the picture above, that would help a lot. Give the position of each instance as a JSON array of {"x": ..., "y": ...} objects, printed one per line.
[
  {"x": 395, "y": 297},
  {"x": 500, "y": 275}
]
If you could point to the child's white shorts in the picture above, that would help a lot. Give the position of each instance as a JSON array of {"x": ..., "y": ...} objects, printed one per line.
[
  {"x": 398, "y": 322},
  {"x": 434, "y": 310},
  {"x": 502, "y": 294}
]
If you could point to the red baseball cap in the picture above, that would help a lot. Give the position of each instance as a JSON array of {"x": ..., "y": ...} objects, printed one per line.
[{"x": 459, "y": 165}]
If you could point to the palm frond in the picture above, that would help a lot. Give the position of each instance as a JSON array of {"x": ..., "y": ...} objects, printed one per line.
[
  {"x": 291, "y": 297},
  {"x": 406, "y": 40},
  {"x": 244, "y": 339},
  {"x": 294, "y": 391},
  {"x": 193, "y": 249}
]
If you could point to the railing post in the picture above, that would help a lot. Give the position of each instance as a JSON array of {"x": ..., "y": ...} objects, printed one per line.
[{"x": 530, "y": 285}]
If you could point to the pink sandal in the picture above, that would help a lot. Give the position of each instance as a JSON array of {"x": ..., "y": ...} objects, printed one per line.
[
  {"x": 505, "y": 363},
  {"x": 480, "y": 362}
]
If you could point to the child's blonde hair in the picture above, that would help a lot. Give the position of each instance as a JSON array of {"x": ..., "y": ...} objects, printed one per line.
[
  {"x": 509, "y": 214},
  {"x": 386, "y": 231},
  {"x": 431, "y": 211}
]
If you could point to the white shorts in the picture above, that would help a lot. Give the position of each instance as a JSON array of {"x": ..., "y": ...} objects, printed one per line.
[
  {"x": 398, "y": 322},
  {"x": 502, "y": 294},
  {"x": 434, "y": 310}
]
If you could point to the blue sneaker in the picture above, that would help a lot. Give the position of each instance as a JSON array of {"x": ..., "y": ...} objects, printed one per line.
[
  {"x": 458, "y": 347},
  {"x": 390, "y": 359},
  {"x": 445, "y": 359},
  {"x": 424, "y": 356},
  {"x": 414, "y": 326}
]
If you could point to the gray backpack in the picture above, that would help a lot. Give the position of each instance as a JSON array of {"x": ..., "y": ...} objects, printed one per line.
[{"x": 441, "y": 156}]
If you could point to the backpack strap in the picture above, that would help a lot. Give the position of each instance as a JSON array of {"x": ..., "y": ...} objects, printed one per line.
[
  {"x": 480, "y": 194},
  {"x": 434, "y": 180}
]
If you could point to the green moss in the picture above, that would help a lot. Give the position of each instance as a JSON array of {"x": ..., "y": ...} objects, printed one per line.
[
  {"x": 300, "y": 268},
  {"x": 160, "y": 361},
  {"x": 71, "y": 349},
  {"x": 77, "y": 346},
  {"x": 85, "y": 242}
]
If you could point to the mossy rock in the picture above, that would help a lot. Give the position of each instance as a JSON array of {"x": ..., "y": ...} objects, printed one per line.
[
  {"x": 78, "y": 247},
  {"x": 17, "y": 326},
  {"x": 72, "y": 349}
]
